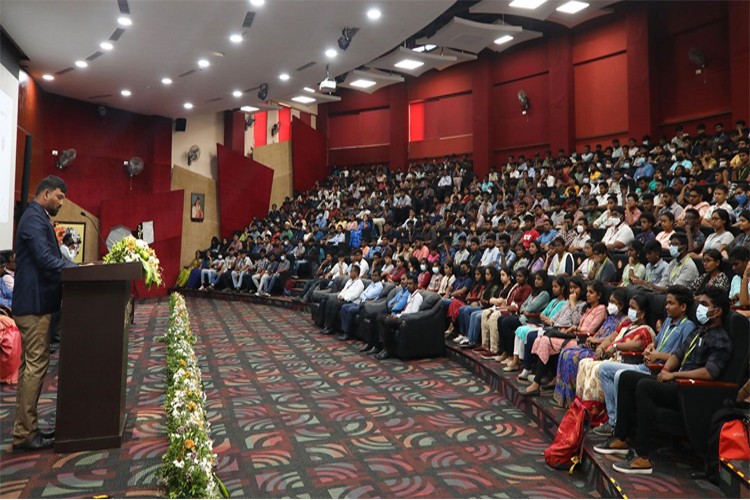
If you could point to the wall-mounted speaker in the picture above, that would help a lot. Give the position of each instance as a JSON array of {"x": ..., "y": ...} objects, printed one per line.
[{"x": 180, "y": 124}]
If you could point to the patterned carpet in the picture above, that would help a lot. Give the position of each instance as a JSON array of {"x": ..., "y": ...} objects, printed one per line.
[{"x": 298, "y": 414}]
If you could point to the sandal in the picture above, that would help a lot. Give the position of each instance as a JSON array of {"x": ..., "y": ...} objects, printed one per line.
[{"x": 527, "y": 394}]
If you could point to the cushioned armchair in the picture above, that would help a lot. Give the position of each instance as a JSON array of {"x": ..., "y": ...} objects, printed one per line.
[
  {"x": 421, "y": 335},
  {"x": 371, "y": 309}
]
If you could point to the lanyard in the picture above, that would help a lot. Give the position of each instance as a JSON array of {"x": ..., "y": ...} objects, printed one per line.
[
  {"x": 669, "y": 333},
  {"x": 690, "y": 350},
  {"x": 676, "y": 270}
]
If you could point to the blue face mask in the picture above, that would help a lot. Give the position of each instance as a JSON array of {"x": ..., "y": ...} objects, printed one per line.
[
  {"x": 633, "y": 315},
  {"x": 674, "y": 251},
  {"x": 741, "y": 199}
]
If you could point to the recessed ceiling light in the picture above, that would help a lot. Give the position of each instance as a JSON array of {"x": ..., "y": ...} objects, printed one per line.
[
  {"x": 125, "y": 93},
  {"x": 188, "y": 105},
  {"x": 203, "y": 63},
  {"x": 425, "y": 48},
  {"x": 106, "y": 46},
  {"x": 362, "y": 83},
  {"x": 258, "y": 3},
  {"x": 48, "y": 77},
  {"x": 249, "y": 109},
  {"x": 572, "y": 7},
  {"x": 308, "y": 89},
  {"x": 237, "y": 93},
  {"x": 374, "y": 14},
  {"x": 503, "y": 39},
  {"x": 303, "y": 99},
  {"x": 331, "y": 53},
  {"x": 235, "y": 38},
  {"x": 527, "y": 4},
  {"x": 124, "y": 21},
  {"x": 82, "y": 64},
  {"x": 409, "y": 64},
  {"x": 166, "y": 81},
  {"x": 284, "y": 77}
]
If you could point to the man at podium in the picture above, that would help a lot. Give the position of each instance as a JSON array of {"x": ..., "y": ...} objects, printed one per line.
[{"x": 36, "y": 295}]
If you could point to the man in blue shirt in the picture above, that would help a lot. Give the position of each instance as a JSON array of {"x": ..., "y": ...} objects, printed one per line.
[
  {"x": 676, "y": 328},
  {"x": 36, "y": 295},
  {"x": 348, "y": 311},
  {"x": 394, "y": 306},
  {"x": 547, "y": 235}
]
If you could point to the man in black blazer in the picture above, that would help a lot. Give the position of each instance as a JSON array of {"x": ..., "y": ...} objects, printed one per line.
[{"x": 36, "y": 295}]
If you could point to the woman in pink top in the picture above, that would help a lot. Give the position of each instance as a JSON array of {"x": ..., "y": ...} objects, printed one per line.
[
  {"x": 667, "y": 229},
  {"x": 546, "y": 349}
]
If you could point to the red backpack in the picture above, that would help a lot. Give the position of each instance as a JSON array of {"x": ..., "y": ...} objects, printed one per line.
[{"x": 567, "y": 448}]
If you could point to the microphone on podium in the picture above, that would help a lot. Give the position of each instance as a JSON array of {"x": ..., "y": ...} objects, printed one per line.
[{"x": 95, "y": 228}]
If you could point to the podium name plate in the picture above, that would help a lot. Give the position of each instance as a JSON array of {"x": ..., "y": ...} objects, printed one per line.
[{"x": 93, "y": 356}]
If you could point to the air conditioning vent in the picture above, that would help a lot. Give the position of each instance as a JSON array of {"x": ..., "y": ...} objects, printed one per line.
[
  {"x": 123, "y": 6},
  {"x": 94, "y": 55},
  {"x": 305, "y": 66},
  {"x": 249, "y": 18},
  {"x": 117, "y": 34},
  {"x": 186, "y": 73},
  {"x": 63, "y": 71}
]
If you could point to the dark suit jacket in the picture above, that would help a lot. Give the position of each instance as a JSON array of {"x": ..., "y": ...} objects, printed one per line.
[{"x": 38, "y": 288}]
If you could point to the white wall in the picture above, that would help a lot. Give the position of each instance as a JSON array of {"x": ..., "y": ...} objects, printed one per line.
[
  {"x": 204, "y": 130},
  {"x": 8, "y": 127}
]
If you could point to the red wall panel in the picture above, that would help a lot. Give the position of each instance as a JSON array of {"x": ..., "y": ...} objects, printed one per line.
[
  {"x": 353, "y": 100},
  {"x": 520, "y": 62},
  {"x": 454, "y": 80},
  {"x": 601, "y": 97},
  {"x": 416, "y": 121},
  {"x": 165, "y": 209},
  {"x": 365, "y": 128},
  {"x": 260, "y": 129},
  {"x": 512, "y": 128},
  {"x": 683, "y": 94},
  {"x": 364, "y": 155},
  {"x": 441, "y": 147},
  {"x": 448, "y": 116},
  {"x": 244, "y": 189},
  {"x": 600, "y": 39},
  {"x": 285, "y": 124},
  {"x": 308, "y": 156}
]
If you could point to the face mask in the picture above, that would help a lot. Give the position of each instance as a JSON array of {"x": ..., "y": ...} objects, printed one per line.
[
  {"x": 701, "y": 314},
  {"x": 579, "y": 229},
  {"x": 423, "y": 267},
  {"x": 633, "y": 315},
  {"x": 615, "y": 221},
  {"x": 674, "y": 251},
  {"x": 435, "y": 270},
  {"x": 741, "y": 199},
  {"x": 612, "y": 309},
  {"x": 722, "y": 164},
  {"x": 283, "y": 258}
]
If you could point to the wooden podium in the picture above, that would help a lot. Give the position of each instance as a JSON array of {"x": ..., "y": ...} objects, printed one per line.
[{"x": 96, "y": 313}]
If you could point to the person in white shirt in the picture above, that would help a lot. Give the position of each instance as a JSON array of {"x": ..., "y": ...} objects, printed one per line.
[
  {"x": 491, "y": 253},
  {"x": 619, "y": 235},
  {"x": 605, "y": 219},
  {"x": 350, "y": 293},
  {"x": 68, "y": 247},
  {"x": 243, "y": 267},
  {"x": 388, "y": 324},
  {"x": 358, "y": 260}
]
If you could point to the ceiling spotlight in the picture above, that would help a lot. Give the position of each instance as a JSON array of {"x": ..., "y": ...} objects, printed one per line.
[
  {"x": 284, "y": 77},
  {"x": 249, "y": 109},
  {"x": 331, "y": 53},
  {"x": 308, "y": 89},
  {"x": 409, "y": 64},
  {"x": 188, "y": 105},
  {"x": 48, "y": 77},
  {"x": 82, "y": 64},
  {"x": 527, "y": 4},
  {"x": 235, "y": 38},
  {"x": 237, "y": 93},
  {"x": 503, "y": 39},
  {"x": 106, "y": 46},
  {"x": 125, "y": 93},
  {"x": 263, "y": 92},
  {"x": 572, "y": 7},
  {"x": 425, "y": 48},
  {"x": 346, "y": 37},
  {"x": 124, "y": 21},
  {"x": 362, "y": 83},
  {"x": 203, "y": 63},
  {"x": 258, "y": 3},
  {"x": 166, "y": 81},
  {"x": 303, "y": 99},
  {"x": 373, "y": 14}
]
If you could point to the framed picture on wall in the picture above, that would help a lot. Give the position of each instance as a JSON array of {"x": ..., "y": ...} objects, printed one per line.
[
  {"x": 197, "y": 202},
  {"x": 77, "y": 232}
]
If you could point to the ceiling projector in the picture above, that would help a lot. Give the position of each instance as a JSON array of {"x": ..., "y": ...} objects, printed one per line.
[{"x": 328, "y": 85}]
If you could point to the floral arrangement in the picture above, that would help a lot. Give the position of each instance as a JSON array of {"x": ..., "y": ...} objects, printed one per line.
[
  {"x": 188, "y": 465},
  {"x": 130, "y": 249}
]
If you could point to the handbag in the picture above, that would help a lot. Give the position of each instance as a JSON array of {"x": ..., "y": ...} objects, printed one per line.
[{"x": 556, "y": 333}]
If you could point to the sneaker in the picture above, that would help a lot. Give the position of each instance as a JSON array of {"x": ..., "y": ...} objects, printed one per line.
[
  {"x": 638, "y": 465},
  {"x": 613, "y": 446},
  {"x": 604, "y": 430},
  {"x": 524, "y": 374},
  {"x": 459, "y": 339},
  {"x": 202, "y": 288},
  {"x": 464, "y": 342}
]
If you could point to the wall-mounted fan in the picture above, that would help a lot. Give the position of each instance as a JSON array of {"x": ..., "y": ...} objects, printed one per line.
[
  {"x": 523, "y": 100},
  {"x": 697, "y": 57},
  {"x": 66, "y": 158},
  {"x": 275, "y": 129},
  {"x": 249, "y": 121},
  {"x": 193, "y": 154}
]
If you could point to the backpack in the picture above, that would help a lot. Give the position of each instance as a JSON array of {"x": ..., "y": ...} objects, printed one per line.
[
  {"x": 728, "y": 438},
  {"x": 566, "y": 450}
]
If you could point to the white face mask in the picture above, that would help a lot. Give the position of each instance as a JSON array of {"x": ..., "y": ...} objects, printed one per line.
[
  {"x": 701, "y": 314},
  {"x": 423, "y": 267},
  {"x": 580, "y": 229},
  {"x": 615, "y": 221},
  {"x": 612, "y": 309},
  {"x": 435, "y": 270},
  {"x": 633, "y": 315}
]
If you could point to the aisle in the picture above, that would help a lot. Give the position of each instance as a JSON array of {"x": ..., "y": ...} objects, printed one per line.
[{"x": 298, "y": 414}]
